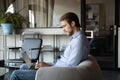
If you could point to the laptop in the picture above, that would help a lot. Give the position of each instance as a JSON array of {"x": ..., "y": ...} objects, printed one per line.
[{"x": 27, "y": 60}]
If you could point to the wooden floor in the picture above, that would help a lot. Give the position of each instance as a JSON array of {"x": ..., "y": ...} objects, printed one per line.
[{"x": 111, "y": 75}]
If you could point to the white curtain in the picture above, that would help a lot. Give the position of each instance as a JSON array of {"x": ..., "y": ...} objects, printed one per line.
[
  {"x": 39, "y": 12},
  {"x": 43, "y": 12},
  {"x": 21, "y": 6},
  {"x": 50, "y": 12}
]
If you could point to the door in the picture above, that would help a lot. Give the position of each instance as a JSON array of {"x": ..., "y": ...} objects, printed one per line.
[
  {"x": 117, "y": 20},
  {"x": 100, "y": 17}
]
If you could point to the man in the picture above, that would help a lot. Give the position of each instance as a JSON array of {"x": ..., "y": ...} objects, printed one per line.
[{"x": 76, "y": 51}]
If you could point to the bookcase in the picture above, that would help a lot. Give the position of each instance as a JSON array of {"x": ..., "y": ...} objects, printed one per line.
[
  {"x": 92, "y": 17},
  {"x": 95, "y": 18}
]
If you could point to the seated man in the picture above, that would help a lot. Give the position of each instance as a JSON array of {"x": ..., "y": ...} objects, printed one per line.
[{"x": 76, "y": 51}]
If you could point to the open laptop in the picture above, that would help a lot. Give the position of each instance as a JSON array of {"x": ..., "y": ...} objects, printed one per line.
[{"x": 28, "y": 61}]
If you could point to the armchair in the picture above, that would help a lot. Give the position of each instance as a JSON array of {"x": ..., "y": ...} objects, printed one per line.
[{"x": 86, "y": 70}]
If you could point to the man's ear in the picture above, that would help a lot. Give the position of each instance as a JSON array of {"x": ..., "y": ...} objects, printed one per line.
[{"x": 73, "y": 23}]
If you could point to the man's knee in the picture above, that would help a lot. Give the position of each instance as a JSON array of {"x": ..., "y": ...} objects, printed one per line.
[
  {"x": 14, "y": 75},
  {"x": 23, "y": 67}
]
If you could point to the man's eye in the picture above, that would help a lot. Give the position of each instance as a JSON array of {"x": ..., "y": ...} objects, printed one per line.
[{"x": 63, "y": 25}]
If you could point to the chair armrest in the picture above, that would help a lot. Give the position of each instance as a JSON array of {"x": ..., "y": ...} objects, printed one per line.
[
  {"x": 34, "y": 48},
  {"x": 86, "y": 70},
  {"x": 58, "y": 73},
  {"x": 14, "y": 48}
]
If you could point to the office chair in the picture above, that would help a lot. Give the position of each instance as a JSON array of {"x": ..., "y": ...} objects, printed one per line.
[
  {"x": 91, "y": 42},
  {"x": 31, "y": 46}
]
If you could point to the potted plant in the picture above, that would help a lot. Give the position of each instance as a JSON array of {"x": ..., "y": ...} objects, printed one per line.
[{"x": 10, "y": 21}]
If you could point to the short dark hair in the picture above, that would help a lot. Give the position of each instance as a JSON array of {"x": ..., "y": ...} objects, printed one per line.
[{"x": 69, "y": 17}]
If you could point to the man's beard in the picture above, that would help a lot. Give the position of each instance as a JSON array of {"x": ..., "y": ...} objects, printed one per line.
[{"x": 70, "y": 33}]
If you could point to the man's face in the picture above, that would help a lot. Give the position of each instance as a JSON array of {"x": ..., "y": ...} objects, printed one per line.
[{"x": 67, "y": 28}]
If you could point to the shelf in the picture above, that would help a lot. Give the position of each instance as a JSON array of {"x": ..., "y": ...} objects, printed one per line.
[{"x": 92, "y": 16}]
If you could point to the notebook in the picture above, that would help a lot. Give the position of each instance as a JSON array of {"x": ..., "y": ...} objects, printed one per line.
[{"x": 27, "y": 60}]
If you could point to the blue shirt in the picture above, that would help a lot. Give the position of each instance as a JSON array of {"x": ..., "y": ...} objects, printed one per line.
[{"x": 76, "y": 51}]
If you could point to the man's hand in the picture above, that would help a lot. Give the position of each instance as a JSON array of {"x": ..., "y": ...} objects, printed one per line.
[{"x": 41, "y": 64}]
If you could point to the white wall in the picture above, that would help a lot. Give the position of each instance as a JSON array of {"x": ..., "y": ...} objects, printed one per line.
[{"x": 63, "y": 6}]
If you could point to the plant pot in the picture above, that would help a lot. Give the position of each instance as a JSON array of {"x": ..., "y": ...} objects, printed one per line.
[{"x": 7, "y": 28}]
